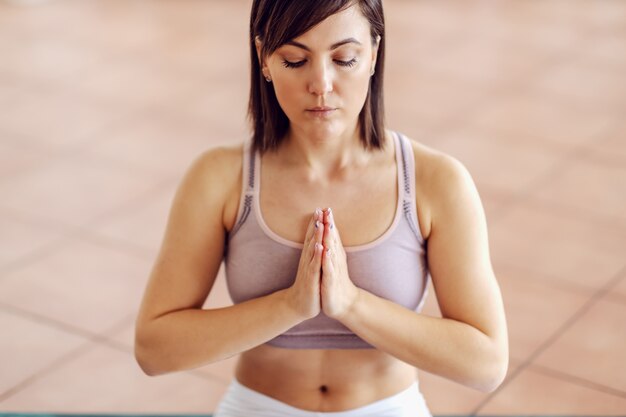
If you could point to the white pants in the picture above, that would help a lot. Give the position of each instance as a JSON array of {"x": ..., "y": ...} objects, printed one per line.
[{"x": 241, "y": 401}]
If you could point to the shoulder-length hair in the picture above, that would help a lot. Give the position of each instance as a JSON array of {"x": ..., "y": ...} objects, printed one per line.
[{"x": 276, "y": 22}]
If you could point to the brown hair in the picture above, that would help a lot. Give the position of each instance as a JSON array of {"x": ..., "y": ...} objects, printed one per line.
[{"x": 276, "y": 22}]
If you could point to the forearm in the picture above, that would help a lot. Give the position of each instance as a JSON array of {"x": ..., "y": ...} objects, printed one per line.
[
  {"x": 441, "y": 346},
  {"x": 190, "y": 338}
]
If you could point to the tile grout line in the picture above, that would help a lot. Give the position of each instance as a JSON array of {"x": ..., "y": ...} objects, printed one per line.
[
  {"x": 92, "y": 341},
  {"x": 554, "y": 337},
  {"x": 69, "y": 232},
  {"x": 576, "y": 380},
  {"x": 68, "y": 356},
  {"x": 525, "y": 194},
  {"x": 550, "y": 280}
]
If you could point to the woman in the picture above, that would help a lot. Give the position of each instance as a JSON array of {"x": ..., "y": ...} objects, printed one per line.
[{"x": 326, "y": 302}]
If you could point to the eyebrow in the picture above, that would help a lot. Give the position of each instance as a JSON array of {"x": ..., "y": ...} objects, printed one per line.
[{"x": 333, "y": 46}]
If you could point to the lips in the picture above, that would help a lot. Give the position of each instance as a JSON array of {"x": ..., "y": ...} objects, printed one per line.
[
  {"x": 321, "y": 112},
  {"x": 321, "y": 109}
]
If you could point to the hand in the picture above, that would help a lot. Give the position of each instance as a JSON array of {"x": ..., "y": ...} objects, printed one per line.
[
  {"x": 338, "y": 292},
  {"x": 304, "y": 294}
]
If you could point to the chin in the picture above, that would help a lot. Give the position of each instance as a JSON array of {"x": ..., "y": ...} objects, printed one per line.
[{"x": 323, "y": 133}]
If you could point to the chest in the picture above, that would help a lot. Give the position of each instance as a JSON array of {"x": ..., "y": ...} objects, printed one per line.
[{"x": 364, "y": 204}]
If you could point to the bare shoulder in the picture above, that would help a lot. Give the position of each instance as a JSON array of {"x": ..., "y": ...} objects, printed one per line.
[
  {"x": 219, "y": 166},
  {"x": 441, "y": 180},
  {"x": 216, "y": 175}
]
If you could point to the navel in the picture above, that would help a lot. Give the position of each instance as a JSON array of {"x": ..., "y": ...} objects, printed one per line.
[{"x": 323, "y": 389}]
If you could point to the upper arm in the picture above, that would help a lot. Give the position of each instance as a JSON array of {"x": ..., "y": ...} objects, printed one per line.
[
  {"x": 458, "y": 252},
  {"x": 193, "y": 245}
]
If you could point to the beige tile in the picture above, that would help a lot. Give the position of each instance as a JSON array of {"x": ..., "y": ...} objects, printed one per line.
[
  {"x": 446, "y": 397},
  {"x": 22, "y": 21},
  {"x": 89, "y": 188},
  {"x": 31, "y": 347},
  {"x": 610, "y": 149},
  {"x": 593, "y": 348},
  {"x": 548, "y": 30},
  {"x": 49, "y": 58},
  {"x": 62, "y": 118},
  {"x": 589, "y": 187},
  {"x": 87, "y": 286},
  {"x": 11, "y": 85},
  {"x": 548, "y": 242},
  {"x": 21, "y": 239},
  {"x": 489, "y": 61},
  {"x": 585, "y": 84},
  {"x": 505, "y": 162},
  {"x": 134, "y": 82},
  {"x": 532, "y": 393},
  {"x": 205, "y": 109},
  {"x": 437, "y": 19},
  {"x": 415, "y": 96},
  {"x": 193, "y": 53},
  {"x": 540, "y": 116},
  {"x": 158, "y": 143},
  {"x": 17, "y": 156},
  {"x": 142, "y": 224},
  {"x": 534, "y": 309},
  {"x": 107, "y": 380},
  {"x": 604, "y": 50},
  {"x": 618, "y": 292}
]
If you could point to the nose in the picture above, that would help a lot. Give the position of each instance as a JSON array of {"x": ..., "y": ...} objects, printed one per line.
[{"x": 321, "y": 80}]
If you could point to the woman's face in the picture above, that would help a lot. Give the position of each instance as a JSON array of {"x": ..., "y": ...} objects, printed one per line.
[{"x": 321, "y": 78}]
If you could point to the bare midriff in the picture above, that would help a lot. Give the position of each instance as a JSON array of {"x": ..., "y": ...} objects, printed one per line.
[{"x": 323, "y": 380}]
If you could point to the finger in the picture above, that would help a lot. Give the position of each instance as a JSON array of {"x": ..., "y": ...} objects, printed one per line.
[
  {"x": 333, "y": 228},
  {"x": 327, "y": 213},
  {"x": 318, "y": 235},
  {"x": 328, "y": 235},
  {"x": 316, "y": 261},
  {"x": 311, "y": 227},
  {"x": 327, "y": 262}
]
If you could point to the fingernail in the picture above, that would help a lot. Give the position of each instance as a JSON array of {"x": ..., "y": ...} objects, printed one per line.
[
  {"x": 328, "y": 251},
  {"x": 317, "y": 224},
  {"x": 331, "y": 226},
  {"x": 318, "y": 211}
]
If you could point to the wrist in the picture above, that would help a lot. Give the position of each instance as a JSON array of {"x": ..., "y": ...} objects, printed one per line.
[
  {"x": 286, "y": 301},
  {"x": 352, "y": 306}
]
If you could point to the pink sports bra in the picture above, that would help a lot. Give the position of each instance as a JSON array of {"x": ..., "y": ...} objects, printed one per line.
[{"x": 259, "y": 262}]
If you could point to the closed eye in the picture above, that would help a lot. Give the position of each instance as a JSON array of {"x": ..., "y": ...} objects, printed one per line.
[
  {"x": 349, "y": 63},
  {"x": 289, "y": 64},
  {"x": 298, "y": 64}
]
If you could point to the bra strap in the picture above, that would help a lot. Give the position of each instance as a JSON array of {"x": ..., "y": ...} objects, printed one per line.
[{"x": 408, "y": 172}]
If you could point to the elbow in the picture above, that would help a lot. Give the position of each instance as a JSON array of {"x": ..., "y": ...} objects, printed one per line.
[
  {"x": 147, "y": 356},
  {"x": 143, "y": 359},
  {"x": 492, "y": 383},
  {"x": 494, "y": 375}
]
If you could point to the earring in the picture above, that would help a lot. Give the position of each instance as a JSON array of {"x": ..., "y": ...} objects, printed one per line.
[
  {"x": 268, "y": 79},
  {"x": 372, "y": 72}
]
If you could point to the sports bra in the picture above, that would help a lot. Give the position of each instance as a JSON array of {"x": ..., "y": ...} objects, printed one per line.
[{"x": 393, "y": 266}]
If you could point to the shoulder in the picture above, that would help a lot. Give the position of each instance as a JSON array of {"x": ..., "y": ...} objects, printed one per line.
[
  {"x": 443, "y": 183},
  {"x": 212, "y": 174}
]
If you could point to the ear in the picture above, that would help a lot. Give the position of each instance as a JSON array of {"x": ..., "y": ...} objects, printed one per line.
[
  {"x": 375, "y": 52},
  {"x": 258, "y": 44},
  {"x": 264, "y": 69}
]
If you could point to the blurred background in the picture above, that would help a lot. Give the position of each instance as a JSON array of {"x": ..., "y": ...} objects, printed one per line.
[{"x": 104, "y": 104}]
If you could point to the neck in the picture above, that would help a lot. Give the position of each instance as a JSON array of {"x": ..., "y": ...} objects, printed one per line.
[{"x": 325, "y": 157}]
